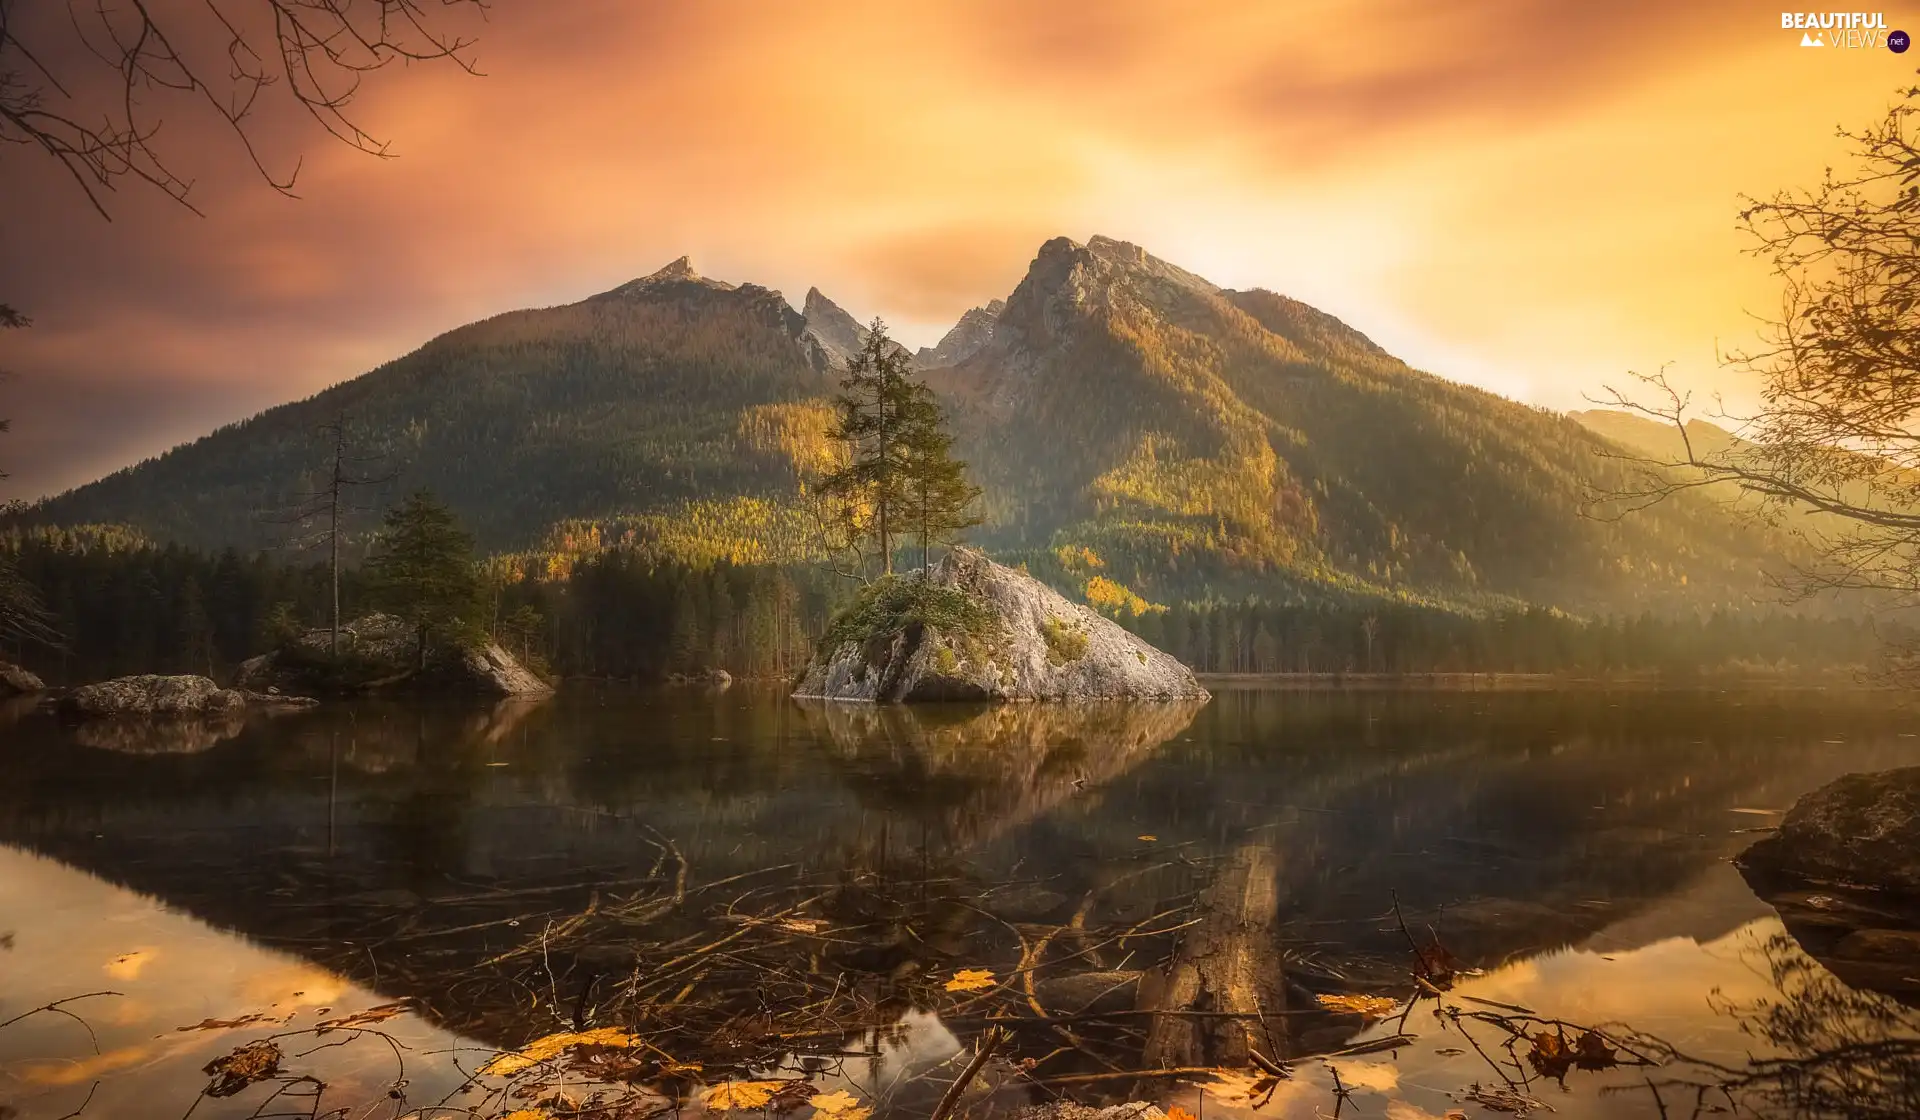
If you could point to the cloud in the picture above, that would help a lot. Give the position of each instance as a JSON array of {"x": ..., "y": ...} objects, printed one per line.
[{"x": 1528, "y": 195}]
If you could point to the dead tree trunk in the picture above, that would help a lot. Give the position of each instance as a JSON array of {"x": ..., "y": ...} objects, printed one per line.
[{"x": 1228, "y": 969}]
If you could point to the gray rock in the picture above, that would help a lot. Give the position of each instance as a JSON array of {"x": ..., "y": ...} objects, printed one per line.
[
  {"x": 151, "y": 695},
  {"x": 1035, "y": 645},
  {"x": 1863, "y": 830},
  {"x": 496, "y": 671},
  {"x": 15, "y": 681},
  {"x": 383, "y": 651}
]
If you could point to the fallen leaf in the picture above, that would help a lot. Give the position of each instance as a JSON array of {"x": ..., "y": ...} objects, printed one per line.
[
  {"x": 1178, "y": 1113},
  {"x": 841, "y": 1105},
  {"x": 552, "y": 1046},
  {"x": 1550, "y": 1056},
  {"x": 1373, "y": 1007},
  {"x": 528, "y": 1114},
  {"x": 1592, "y": 1052},
  {"x": 730, "y": 1096},
  {"x": 254, "y": 1062},
  {"x": 379, "y": 1013},
  {"x": 1149, "y": 838},
  {"x": 970, "y": 980}
]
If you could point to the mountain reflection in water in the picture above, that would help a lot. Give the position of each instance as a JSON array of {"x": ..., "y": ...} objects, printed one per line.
[{"x": 516, "y": 871}]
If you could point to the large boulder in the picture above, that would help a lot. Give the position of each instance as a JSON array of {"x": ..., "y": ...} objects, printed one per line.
[
  {"x": 151, "y": 695},
  {"x": 1862, "y": 830},
  {"x": 970, "y": 629},
  {"x": 15, "y": 681}
]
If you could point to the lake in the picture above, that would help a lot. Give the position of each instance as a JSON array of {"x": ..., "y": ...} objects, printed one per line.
[{"x": 732, "y": 901}]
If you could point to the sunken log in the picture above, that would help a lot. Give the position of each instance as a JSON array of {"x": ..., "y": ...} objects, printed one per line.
[{"x": 1228, "y": 968}]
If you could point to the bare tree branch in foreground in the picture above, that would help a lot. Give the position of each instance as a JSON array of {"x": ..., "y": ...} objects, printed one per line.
[
  {"x": 1836, "y": 439},
  {"x": 91, "y": 103}
]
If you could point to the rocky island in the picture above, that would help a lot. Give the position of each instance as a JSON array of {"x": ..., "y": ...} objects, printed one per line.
[
  {"x": 379, "y": 652},
  {"x": 966, "y": 628}
]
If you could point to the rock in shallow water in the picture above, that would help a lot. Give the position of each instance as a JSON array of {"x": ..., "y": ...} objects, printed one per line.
[
  {"x": 15, "y": 681},
  {"x": 1863, "y": 830},
  {"x": 971, "y": 629},
  {"x": 151, "y": 695}
]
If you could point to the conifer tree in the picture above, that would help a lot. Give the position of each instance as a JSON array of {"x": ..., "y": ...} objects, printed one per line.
[
  {"x": 939, "y": 500},
  {"x": 879, "y": 396},
  {"x": 423, "y": 571},
  {"x": 900, "y": 479}
]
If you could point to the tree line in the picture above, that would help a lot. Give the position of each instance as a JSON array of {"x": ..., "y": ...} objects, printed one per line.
[{"x": 137, "y": 607}]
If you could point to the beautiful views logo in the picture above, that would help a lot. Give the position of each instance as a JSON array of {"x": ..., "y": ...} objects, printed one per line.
[{"x": 1846, "y": 30}]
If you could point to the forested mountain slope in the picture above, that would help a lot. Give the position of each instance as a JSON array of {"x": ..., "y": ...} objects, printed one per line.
[{"x": 1128, "y": 419}]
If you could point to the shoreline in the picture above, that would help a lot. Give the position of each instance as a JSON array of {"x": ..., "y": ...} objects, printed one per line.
[{"x": 1544, "y": 682}]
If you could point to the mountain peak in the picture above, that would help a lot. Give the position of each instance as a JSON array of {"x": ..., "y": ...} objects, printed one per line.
[
  {"x": 681, "y": 269},
  {"x": 968, "y": 337},
  {"x": 836, "y": 332},
  {"x": 677, "y": 272}
]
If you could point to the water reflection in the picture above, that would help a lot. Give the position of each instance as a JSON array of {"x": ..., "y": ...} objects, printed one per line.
[{"x": 527, "y": 868}]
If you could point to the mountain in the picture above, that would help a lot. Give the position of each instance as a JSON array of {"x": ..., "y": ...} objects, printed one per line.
[
  {"x": 1652, "y": 439},
  {"x": 968, "y": 337},
  {"x": 1129, "y": 420}
]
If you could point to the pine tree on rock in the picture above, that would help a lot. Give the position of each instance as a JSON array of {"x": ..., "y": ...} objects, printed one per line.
[
  {"x": 900, "y": 478},
  {"x": 878, "y": 397},
  {"x": 940, "y": 500},
  {"x": 423, "y": 572}
]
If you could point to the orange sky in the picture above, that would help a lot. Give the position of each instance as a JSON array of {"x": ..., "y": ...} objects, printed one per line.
[{"x": 1530, "y": 196}]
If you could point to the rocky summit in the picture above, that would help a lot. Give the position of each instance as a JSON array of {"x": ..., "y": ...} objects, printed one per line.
[{"x": 967, "y": 628}]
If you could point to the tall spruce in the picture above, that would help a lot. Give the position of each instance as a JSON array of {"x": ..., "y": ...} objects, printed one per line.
[
  {"x": 940, "y": 500},
  {"x": 900, "y": 479},
  {"x": 423, "y": 572},
  {"x": 877, "y": 406}
]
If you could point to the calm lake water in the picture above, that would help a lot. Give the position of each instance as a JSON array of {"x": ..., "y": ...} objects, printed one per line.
[{"x": 736, "y": 889}]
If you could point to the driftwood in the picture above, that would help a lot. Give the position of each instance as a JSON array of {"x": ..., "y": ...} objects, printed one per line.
[{"x": 1228, "y": 967}]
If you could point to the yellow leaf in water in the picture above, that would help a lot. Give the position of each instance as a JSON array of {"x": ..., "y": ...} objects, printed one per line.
[
  {"x": 528, "y": 1114},
  {"x": 1149, "y": 838},
  {"x": 552, "y": 1046},
  {"x": 731, "y": 1095},
  {"x": 840, "y": 1105},
  {"x": 1373, "y": 1007},
  {"x": 970, "y": 980}
]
